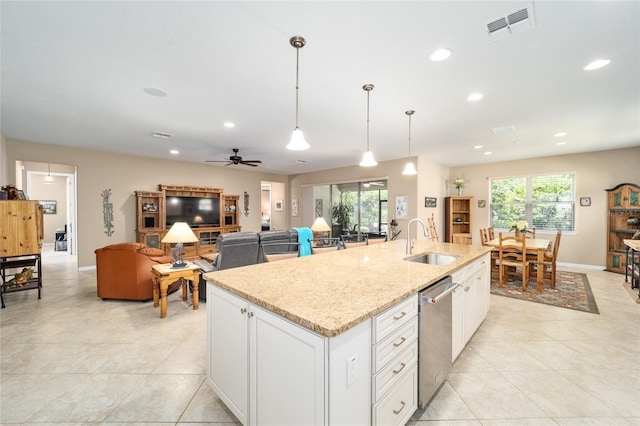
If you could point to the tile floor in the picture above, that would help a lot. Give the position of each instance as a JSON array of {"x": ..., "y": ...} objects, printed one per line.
[{"x": 72, "y": 358}]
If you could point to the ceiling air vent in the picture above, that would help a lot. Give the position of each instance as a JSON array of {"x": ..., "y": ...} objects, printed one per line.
[
  {"x": 513, "y": 23},
  {"x": 161, "y": 135}
]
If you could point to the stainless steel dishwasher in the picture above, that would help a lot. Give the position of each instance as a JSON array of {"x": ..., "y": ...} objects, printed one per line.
[{"x": 435, "y": 338}]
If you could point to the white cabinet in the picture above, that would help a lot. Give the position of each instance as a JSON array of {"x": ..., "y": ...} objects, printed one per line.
[
  {"x": 470, "y": 303},
  {"x": 394, "y": 370},
  {"x": 255, "y": 355},
  {"x": 270, "y": 371}
]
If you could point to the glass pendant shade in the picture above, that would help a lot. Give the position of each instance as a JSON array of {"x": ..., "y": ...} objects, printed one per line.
[
  {"x": 48, "y": 179},
  {"x": 409, "y": 169},
  {"x": 368, "y": 160},
  {"x": 298, "y": 142}
]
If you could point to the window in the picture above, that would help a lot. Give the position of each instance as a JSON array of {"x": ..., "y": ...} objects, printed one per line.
[{"x": 546, "y": 202}]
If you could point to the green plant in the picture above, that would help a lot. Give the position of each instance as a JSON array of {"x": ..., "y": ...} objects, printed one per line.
[{"x": 341, "y": 213}]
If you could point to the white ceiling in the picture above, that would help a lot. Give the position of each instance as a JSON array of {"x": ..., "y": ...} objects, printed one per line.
[{"x": 73, "y": 74}]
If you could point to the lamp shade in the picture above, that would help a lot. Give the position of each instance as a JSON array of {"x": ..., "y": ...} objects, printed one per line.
[
  {"x": 368, "y": 160},
  {"x": 298, "y": 142},
  {"x": 409, "y": 169},
  {"x": 320, "y": 225},
  {"x": 180, "y": 232}
]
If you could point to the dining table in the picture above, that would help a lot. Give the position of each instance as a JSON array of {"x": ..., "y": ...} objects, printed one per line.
[{"x": 535, "y": 251}]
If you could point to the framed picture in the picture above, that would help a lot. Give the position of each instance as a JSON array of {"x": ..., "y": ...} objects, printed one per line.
[
  {"x": 318, "y": 208},
  {"x": 21, "y": 195},
  {"x": 482, "y": 203},
  {"x": 401, "y": 206},
  {"x": 585, "y": 201},
  {"x": 49, "y": 206},
  {"x": 294, "y": 207},
  {"x": 430, "y": 201},
  {"x": 278, "y": 207}
]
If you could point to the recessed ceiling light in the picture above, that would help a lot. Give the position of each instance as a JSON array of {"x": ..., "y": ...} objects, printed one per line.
[
  {"x": 517, "y": 142},
  {"x": 488, "y": 153},
  {"x": 174, "y": 152},
  {"x": 477, "y": 147},
  {"x": 560, "y": 134},
  {"x": 474, "y": 97},
  {"x": 599, "y": 63},
  {"x": 229, "y": 125},
  {"x": 440, "y": 55},
  {"x": 161, "y": 135},
  {"x": 154, "y": 91},
  {"x": 561, "y": 143}
]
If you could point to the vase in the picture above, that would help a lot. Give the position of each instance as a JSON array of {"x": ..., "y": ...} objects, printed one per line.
[{"x": 460, "y": 191}]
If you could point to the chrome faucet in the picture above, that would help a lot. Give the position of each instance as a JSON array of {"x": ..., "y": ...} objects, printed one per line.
[{"x": 409, "y": 242}]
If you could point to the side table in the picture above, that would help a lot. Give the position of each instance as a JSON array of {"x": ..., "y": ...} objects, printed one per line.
[{"x": 165, "y": 274}]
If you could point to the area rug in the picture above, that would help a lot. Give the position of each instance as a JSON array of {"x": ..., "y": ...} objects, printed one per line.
[{"x": 572, "y": 291}]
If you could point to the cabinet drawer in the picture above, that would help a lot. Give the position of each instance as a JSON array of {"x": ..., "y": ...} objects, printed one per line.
[
  {"x": 388, "y": 321},
  {"x": 398, "y": 405},
  {"x": 391, "y": 347},
  {"x": 392, "y": 373}
]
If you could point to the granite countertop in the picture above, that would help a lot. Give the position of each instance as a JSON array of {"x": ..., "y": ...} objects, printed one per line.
[{"x": 330, "y": 293}]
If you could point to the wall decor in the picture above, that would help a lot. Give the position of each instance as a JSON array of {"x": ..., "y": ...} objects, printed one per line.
[
  {"x": 246, "y": 203},
  {"x": 294, "y": 207},
  {"x": 21, "y": 195},
  {"x": 430, "y": 201},
  {"x": 107, "y": 212},
  {"x": 278, "y": 206},
  {"x": 585, "y": 201},
  {"x": 401, "y": 206},
  {"x": 482, "y": 203},
  {"x": 318, "y": 209},
  {"x": 49, "y": 206}
]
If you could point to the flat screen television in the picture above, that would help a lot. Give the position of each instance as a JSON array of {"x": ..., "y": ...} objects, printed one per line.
[{"x": 196, "y": 211}]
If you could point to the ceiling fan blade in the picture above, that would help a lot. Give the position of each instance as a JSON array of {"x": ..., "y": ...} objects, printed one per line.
[
  {"x": 216, "y": 161},
  {"x": 251, "y": 161},
  {"x": 247, "y": 163}
]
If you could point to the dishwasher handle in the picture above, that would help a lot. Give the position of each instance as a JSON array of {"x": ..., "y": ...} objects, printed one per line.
[{"x": 434, "y": 300}]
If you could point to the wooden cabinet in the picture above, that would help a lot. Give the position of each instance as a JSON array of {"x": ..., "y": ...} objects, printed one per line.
[
  {"x": 231, "y": 206},
  {"x": 457, "y": 217},
  {"x": 150, "y": 217},
  {"x": 151, "y": 213},
  {"x": 21, "y": 231},
  {"x": 470, "y": 302},
  {"x": 623, "y": 220}
]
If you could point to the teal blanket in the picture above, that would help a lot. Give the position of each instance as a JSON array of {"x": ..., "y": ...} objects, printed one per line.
[{"x": 304, "y": 244}]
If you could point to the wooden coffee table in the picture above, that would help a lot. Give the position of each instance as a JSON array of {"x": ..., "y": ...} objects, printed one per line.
[{"x": 165, "y": 274}]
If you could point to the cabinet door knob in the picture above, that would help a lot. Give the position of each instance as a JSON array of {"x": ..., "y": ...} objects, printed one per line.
[
  {"x": 243, "y": 311},
  {"x": 250, "y": 314}
]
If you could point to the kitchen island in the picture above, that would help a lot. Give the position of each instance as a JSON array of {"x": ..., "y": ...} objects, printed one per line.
[{"x": 329, "y": 338}]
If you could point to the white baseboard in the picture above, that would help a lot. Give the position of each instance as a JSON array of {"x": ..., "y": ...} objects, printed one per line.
[{"x": 581, "y": 266}]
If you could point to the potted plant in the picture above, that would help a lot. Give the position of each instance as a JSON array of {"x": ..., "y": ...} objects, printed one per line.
[{"x": 341, "y": 214}]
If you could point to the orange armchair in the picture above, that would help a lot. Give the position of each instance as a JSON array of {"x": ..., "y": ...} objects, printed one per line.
[{"x": 124, "y": 270}]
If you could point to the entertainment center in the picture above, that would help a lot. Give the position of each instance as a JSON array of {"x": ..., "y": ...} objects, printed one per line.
[{"x": 207, "y": 210}]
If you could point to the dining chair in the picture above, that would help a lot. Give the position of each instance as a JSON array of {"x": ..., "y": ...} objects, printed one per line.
[
  {"x": 484, "y": 240},
  {"x": 512, "y": 258},
  {"x": 432, "y": 229},
  {"x": 530, "y": 233},
  {"x": 491, "y": 233},
  {"x": 549, "y": 263}
]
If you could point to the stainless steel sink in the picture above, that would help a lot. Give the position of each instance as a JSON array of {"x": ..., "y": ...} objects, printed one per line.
[{"x": 433, "y": 258}]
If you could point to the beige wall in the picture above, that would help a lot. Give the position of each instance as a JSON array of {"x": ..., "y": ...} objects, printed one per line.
[
  {"x": 124, "y": 174},
  {"x": 595, "y": 172},
  {"x": 4, "y": 163}
]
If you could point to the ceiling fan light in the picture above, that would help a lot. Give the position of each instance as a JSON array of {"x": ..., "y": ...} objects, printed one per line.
[
  {"x": 409, "y": 169},
  {"x": 48, "y": 179},
  {"x": 368, "y": 160},
  {"x": 297, "y": 142}
]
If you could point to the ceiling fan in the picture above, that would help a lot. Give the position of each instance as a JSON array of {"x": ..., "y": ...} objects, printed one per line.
[{"x": 235, "y": 159}]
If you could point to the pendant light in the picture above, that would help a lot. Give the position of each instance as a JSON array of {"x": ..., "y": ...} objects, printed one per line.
[
  {"x": 409, "y": 168},
  {"x": 367, "y": 158},
  {"x": 297, "y": 143},
  {"x": 49, "y": 179}
]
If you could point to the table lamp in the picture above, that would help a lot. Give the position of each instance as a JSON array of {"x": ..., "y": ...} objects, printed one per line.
[
  {"x": 179, "y": 233},
  {"x": 320, "y": 225}
]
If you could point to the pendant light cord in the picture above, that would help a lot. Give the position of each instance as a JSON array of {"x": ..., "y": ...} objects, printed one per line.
[
  {"x": 368, "y": 91},
  {"x": 409, "y": 158},
  {"x": 297, "y": 85}
]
